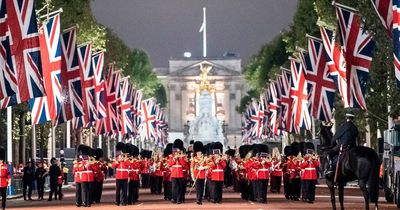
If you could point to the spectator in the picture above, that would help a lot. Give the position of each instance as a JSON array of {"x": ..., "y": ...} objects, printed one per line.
[
  {"x": 54, "y": 173},
  {"x": 40, "y": 176},
  {"x": 27, "y": 180}
]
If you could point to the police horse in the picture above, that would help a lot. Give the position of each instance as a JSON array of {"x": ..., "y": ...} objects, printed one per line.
[{"x": 357, "y": 163}]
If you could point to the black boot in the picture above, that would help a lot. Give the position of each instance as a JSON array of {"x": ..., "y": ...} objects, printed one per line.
[{"x": 330, "y": 170}]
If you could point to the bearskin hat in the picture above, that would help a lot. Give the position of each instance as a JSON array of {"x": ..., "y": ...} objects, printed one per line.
[
  {"x": 243, "y": 150},
  {"x": 294, "y": 150},
  {"x": 84, "y": 150},
  {"x": 262, "y": 148},
  {"x": 198, "y": 146},
  {"x": 287, "y": 150},
  {"x": 206, "y": 149},
  {"x": 230, "y": 152},
  {"x": 168, "y": 149},
  {"x": 120, "y": 146},
  {"x": 2, "y": 154},
  {"x": 98, "y": 153},
  {"x": 178, "y": 143},
  {"x": 309, "y": 145},
  {"x": 134, "y": 150},
  {"x": 301, "y": 147}
]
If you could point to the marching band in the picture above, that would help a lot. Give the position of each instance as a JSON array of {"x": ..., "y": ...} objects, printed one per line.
[{"x": 202, "y": 170}]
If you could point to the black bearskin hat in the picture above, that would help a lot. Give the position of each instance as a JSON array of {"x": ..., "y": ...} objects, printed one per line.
[
  {"x": 168, "y": 149},
  {"x": 2, "y": 154},
  {"x": 84, "y": 150},
  {"x": 198, "y": 146},
  {"x": 99, "y": 153},
  {"x": 262, "y": 148},
  {"x": 301, "y": 147},
  {"x": 230, "y": 152},
  {"x": 120, "y": 146},
  {"x": 308, "y": 146},
  {"x": 206, "y": 149},
  {"x": 134, "y": 150},
  {"x": 178, "y": 144},
  {"x": 287, "y": 150},
  {"x": 218, "y": 145}
]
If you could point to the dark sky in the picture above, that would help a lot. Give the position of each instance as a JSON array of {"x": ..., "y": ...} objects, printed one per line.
[{"x": 167, "y": 28}]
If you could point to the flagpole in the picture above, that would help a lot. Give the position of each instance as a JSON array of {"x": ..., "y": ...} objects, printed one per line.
[
  {"x": 53, "y": 140},
  {"x": 100, "y": 141},
  {"x": 9, "y": 134},
  {"x": 204, "y": 33},
  {"x": 68, "y": 134},
  {"x": 33, "y": 141}
]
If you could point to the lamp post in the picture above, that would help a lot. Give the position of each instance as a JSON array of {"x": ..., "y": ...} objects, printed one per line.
[
  {"x": 186, "y": 131},
  {"x": 235, "y": 141}
]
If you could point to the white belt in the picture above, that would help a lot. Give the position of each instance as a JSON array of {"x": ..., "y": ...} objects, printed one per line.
[
  {"x": 177, "y": 166},
  {"x": 121, "y": 169},
  {"x": 309, "y": 169},
  {"x": 292, "y": 169},
  {"x": 217, "y": 170},
  {"x": 263, "y": 169},
  {"x": 135, "y": 170},
  {"x": 277, "y": 169},
  {"x": 86, "y": 171}
]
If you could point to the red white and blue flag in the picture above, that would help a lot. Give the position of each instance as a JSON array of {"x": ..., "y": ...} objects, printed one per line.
[
  {"x": 147, "y": 128},
  {"x": 357, "y": 46},
  {"x": 8, "y": 75},
  {"x": 385, "y": 8},
  {"x": 323, "y": 88},
  {"x": 124, "y": 107},
  {"x": 112, "y": 89},
  {"x": 98, "y": 65},
  {"x": 256, "y": 117},
  {"x": 72, "y": 106},
  {"x": 299, "y": 93},
  {"x": 286, "y": 100},
  {"x": 48, "y": 107},
  {"x": 274, "y": 105}
]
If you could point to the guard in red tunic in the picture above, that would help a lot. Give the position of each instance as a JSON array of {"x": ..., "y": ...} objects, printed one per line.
[
  {"x": 309, "y": 176},
  {"x": 251, "y": 173},
  {"x": 98, "y": 168},
  {"x": 277, "y": 173},
  {"x": 121, "y": 165},
  {"x": 134, "y": 173},
  {"x": 177, "y": 162},
  {"x": 77, "y": 172},
  {"x": 158, "y": 173},
  {"x": 295, "y": 180},
  {"x": 145, "y": 168},
  {"x": 5, "y": 178},
  {"x": 87, "y": 177},
  {"x": 198, "y": 168},
  {"x": 263, "y": 166},
  {"x": 217, "y": 166},
  {"x": 167, "y": 180}
]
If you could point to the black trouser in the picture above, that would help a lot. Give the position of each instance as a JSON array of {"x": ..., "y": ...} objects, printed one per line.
[
  {"x": 3, "y": 191},
  {"x": 152, "y": 184},
  {"x": 40, "y": 187},
  {"x": 254, "y": 190},
  {"x": 157, "y": 184},
  {"x": 287, "y": 186},
  {"x": 53, "y": 189},
  {"x": 86, "y": 195},
  {"x": 199, "y": 189},
  {"x": 243, "y": 189},
  {"x": 60, "y": 194},
  {"x": 296, "y": 187},
  {"x": 276, "y": 182},
  {"x": 262, "y": 189},
  {"x": 167, "y": 190},
  {"x": 97, "y": 191},
  {"x": 78, "y": 193},
  {"x": 177, "y": 188},
  {"x": 309, "y": 189},
  {"x": 184, "y": 186},
  {"x": 218, "y": 185},
  {"x": 27, "y": 185},
  {"x": 145, "y": 180},
  {"x": 122, "y": 185},
  {"x": 133, "y": 191},
  {"x": 207, "y": 190},
  {"x": 65, "y": 178}
]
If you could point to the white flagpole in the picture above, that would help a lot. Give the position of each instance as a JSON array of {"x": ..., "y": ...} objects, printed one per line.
[
  {"x": 100, "y": 141},
  {"x": 9, "y": 134},
  {"x": 204, "y": 33},
  {"x": 53, "y": 140},
  {"x": 33, "y": 141},
  {"x": 68, "y": 134}
]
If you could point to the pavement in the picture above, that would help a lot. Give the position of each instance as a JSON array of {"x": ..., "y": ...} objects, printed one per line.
[{"x": 231, "y": 200}]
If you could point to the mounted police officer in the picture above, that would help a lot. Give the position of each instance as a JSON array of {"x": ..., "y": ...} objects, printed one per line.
[{"x": 344, "y": 139}]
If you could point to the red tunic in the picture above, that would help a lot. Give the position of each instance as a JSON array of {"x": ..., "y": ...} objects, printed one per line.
[
  {"x": 87, "y": 173},
  {"x": 77, "y": 172},
  {"x": 277, "y": 171},
  {"x": 159, "y": 168},
  {"x": 134, "y": 170},
  {"x": 4, "y": 175},
  {"x": 310, "y": 169},
  {"x": 177, "y": 166},
  {"x": 262, "y": 169},
  {"x": 199, "y": 168},
  {"x": 122, "y": 169},
  {"x": 145, "y": 166},
  {"x": 294, "y": 169},
  {"x": 217, "y": 170},
  {"x": 98, "y": 172},
  {"x": 250, "y": 170},
  {"x": 166, "y": 170}
]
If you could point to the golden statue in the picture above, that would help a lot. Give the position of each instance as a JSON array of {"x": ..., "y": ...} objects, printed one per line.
[{"x": 204, "y": 83}]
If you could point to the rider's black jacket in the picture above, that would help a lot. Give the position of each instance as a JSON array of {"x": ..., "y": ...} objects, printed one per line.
[{"x": 346, "y": 134}]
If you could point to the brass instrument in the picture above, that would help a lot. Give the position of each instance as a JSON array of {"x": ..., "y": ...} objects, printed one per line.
[{"x": 314, "y": 156}]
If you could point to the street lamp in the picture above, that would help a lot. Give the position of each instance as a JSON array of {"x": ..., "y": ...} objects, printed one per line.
[{"x": 234, "y": 137}]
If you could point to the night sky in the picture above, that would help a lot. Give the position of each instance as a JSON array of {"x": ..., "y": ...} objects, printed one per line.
[{"x": 168, "y": 28}]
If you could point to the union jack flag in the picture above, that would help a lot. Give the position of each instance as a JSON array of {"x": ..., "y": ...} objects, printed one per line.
[
  {"x": 256, "y": 117},
  {"x": 136, "y": 109},
  {"x": 323, "y": 88},
  {"x": 97, "y": 65},
  {"x": 357, "y": 47},
  {"x": 299, "y": 94},
  {"x": 162, "y": 126},
  {"x": 47, "y": 108},
  {"x": 72, "y": 106},
  {"x": 396, "y": 39},
  {"x": 124, "y": 107},
  {"x": 8, "y": 76},
  {"x": 112, "y": 89},
  {"x": 274, "y": 104},
  {"x": 148, "y": 120},
  {"x": 286, "y": 100},
  {"x": 385, "y": 13},
  {"x": 25, "y": 49},
  {"x": 88, "y": 83}
]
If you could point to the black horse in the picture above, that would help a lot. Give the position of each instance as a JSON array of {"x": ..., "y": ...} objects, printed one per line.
[{"x": 358, "y": 163}]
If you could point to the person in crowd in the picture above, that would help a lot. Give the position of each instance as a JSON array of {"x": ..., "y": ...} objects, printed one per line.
[
  {"x": 28, "y": 178},
  {"x": 40, "y": 176},
  {"x": 54, "y": 173}
]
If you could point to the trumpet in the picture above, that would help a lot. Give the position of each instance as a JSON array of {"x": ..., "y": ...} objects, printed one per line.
[{"x": 314, "y": 156}]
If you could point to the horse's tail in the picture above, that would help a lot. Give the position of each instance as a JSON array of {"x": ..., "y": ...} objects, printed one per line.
[{"x": 373, "y": 181}]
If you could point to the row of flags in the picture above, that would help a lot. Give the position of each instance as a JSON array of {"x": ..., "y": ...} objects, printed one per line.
[
  {"x": 63, "y": 81},
  {"x": 307, "y": 90}
]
